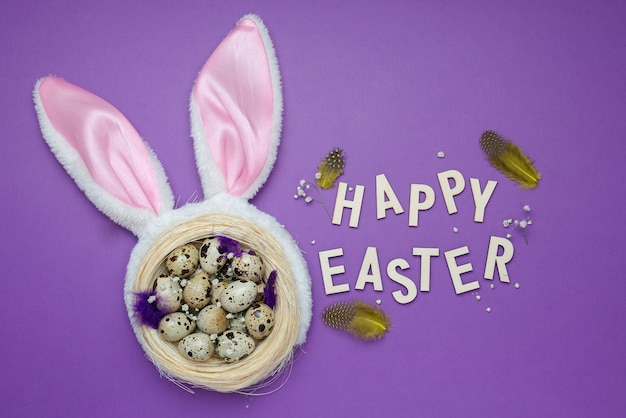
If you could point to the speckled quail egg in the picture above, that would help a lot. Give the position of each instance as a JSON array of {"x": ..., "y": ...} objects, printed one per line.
[
  {"x": 212, "y": 320},
  {"x": 238, "y": 295},
  {"x": 211, "y": 259},
  {"x": 217, "y": 290},
  {"x": 197, "y": 291},
  {"x": 260, "y": 292},
  {"x": 259, "y": 320},
  {"x": 248, "y": 266},
  {"x": 197, "y": 346},
  {"x": 169, "y": 294},
  {"x": 176, "y": 326},
  {"x": 234, "y": 345},
  {"x": 182, "y": 261}
]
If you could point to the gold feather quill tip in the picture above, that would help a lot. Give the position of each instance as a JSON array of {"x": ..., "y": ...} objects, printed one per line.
[
  {"x": 510, "y": 160},
  {"x": 358, "y": 318},
  {"x": 330, "y": 168}
]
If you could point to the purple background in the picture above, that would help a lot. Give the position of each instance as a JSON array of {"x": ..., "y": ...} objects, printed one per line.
[{"x": 393, "y": 83}]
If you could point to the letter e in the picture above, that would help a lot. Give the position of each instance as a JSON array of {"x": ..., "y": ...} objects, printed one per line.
[
  {"x": 456, "y": 270},
  {"x": 328, "y": 272}
]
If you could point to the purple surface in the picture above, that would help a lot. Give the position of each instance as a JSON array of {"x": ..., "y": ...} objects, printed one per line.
[{"x": 392, "y": 83}]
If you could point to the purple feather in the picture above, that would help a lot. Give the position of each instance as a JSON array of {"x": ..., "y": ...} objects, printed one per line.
[
  {"x": 229, "y": 245},
  {"x": 270, "y": 290},
  {"x": 147, "y": 311}
]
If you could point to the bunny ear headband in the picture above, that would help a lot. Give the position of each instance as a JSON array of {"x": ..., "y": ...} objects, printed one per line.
[{"x": 236, "y": 114}]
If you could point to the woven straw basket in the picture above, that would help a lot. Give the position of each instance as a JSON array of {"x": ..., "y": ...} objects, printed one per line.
[{"x": 270, "y": 354}]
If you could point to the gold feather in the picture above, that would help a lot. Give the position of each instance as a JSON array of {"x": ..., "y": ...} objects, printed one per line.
[
  {"x": 330, "y": 168},
  {"x": 358, "y": 318},
  {"x": 510, "y": 160}
]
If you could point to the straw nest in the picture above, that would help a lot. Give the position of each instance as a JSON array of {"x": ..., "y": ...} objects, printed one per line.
[{"x": 270, "y": 356}]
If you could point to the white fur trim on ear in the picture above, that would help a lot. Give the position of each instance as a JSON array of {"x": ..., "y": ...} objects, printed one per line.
[
  {"x": 131, "y": 218},
  {"x": 210, "y": 175}
]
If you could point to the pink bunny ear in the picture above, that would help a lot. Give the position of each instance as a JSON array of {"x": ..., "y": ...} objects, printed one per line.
[
  {"x": 102, "y": 152},
  {"x": 236, "y": 112}
]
